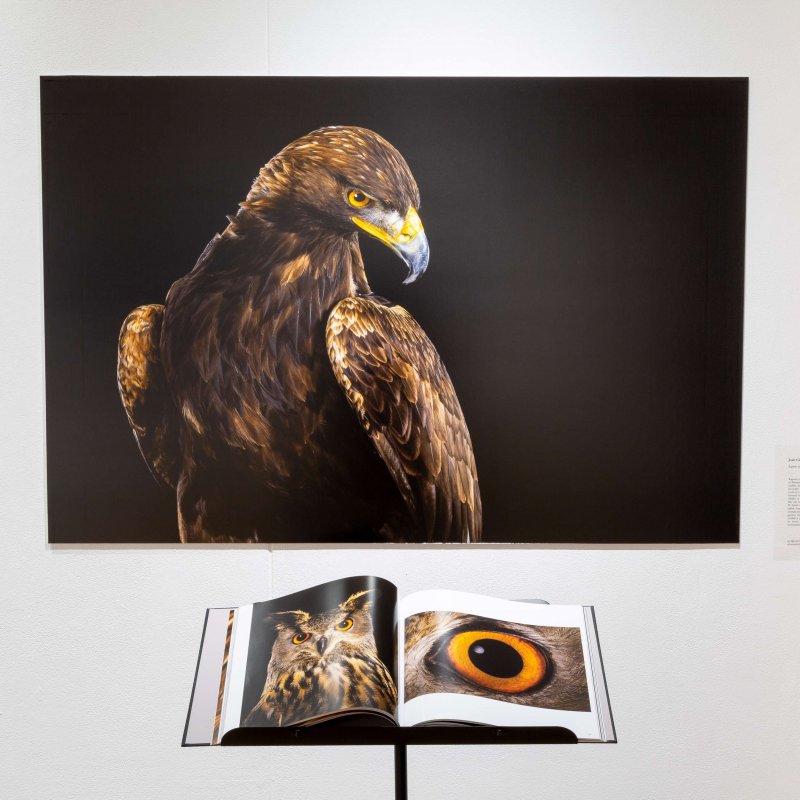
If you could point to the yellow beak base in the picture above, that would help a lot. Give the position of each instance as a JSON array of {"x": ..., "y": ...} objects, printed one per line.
[{"x": 412, "y": 226}]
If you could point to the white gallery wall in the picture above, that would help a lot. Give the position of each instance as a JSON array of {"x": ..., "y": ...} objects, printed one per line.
[{"x": 702, "y": 645}]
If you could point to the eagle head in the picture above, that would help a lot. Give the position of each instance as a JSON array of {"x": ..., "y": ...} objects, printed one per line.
[{"x": 339, "y": 180}]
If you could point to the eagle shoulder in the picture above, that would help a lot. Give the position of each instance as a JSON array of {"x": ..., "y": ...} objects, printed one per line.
[{"x": 401, "y": 392}]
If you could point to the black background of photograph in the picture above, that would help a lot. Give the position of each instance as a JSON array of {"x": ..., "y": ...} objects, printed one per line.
[
  {"x": 585, "y": 287},
  {"x": 317, "y": 600}
]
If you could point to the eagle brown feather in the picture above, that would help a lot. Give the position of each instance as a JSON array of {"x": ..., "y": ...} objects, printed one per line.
[
  {"x": 144, "y": 393},
  {"x": 404, "y": 398}
]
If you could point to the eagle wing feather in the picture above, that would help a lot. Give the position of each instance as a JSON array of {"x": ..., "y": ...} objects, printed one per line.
[
  {"x": 145, "y": 396},
  {"x": 398, "y": 386}
]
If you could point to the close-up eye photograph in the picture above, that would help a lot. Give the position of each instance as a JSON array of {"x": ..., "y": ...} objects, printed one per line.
[
  {"x": 400, "y": 402},
  {"x": 524, "y": 664}
]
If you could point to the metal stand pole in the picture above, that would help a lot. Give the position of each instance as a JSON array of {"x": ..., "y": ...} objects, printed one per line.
[{"x": 400, "y": 773}]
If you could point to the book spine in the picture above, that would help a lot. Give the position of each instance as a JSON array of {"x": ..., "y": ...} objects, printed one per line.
[
  {"x": 603, "y": 704},
  {"x": 194, "y": 682}
]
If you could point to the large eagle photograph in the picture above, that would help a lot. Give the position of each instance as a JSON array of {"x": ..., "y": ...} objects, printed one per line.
[
  {"x": 276, "y": 394},
  {"x": 384, "y": 311}
]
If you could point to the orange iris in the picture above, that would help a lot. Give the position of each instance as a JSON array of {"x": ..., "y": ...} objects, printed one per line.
[
  {"x": 499, "y": 661},
  {"x": 357, "y": 198},
  {"x": 345, "y": 624},
  {"x": 300, "y": 637}
]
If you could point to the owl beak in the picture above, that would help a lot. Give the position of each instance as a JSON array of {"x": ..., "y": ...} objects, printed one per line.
[{"x": 322, "y": 643}]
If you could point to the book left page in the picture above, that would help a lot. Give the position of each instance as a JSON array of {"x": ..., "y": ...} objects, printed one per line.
[
  {"x": 325, "y": 652},
  {"x": 205, "y": 707}
]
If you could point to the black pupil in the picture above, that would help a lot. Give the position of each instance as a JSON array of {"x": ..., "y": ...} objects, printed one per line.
[
  {"x": 358, "y": 197},
  {"x": 495, "y": 658}
]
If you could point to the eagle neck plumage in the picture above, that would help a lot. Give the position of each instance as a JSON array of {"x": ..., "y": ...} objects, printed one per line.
[{"x": 310, "y": 265}]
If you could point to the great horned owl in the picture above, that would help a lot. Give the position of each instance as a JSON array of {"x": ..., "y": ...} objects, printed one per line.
[
  {"x": 323, "y": 663},
  {"x": 530, "y": 665}
]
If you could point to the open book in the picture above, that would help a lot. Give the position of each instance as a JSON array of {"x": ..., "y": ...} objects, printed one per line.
[{"x": 350, "y": 652}]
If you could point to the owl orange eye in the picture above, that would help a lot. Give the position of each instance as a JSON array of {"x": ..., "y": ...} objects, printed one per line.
[
  {"x": 300, "y": 637},
  {"x": 345, "y": 624},
  {"x": 357, "y": 198},
  {"x": 498, "y": 661}
]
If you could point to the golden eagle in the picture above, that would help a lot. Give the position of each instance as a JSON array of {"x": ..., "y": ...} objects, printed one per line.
[{"x": 281, "y": 398}]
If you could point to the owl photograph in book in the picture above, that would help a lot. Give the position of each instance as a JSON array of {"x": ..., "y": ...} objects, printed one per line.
[
  {"x": 276, "y": 394},
  {"x": 323, "y": 663},
  {"x": 531, "y": 665}
]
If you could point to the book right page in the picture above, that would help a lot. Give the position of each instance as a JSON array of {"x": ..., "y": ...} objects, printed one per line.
[{"x": 474, "y": 659}]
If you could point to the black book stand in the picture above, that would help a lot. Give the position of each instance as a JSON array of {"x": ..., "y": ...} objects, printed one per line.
[{"x": 400, "y": 738}]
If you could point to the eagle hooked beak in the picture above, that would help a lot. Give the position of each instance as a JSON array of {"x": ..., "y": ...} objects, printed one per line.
[{"x": 405, "y": 236}]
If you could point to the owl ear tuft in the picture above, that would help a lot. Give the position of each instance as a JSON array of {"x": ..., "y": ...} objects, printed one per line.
[
  {"x": 359, "y": 601},
  {"x": 281, "y": 620}
]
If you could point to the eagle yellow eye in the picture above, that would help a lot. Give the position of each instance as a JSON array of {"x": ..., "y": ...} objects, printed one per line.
[
  {"x": 300, "y": 637},
  {"x": 499, "y": 661},
  {"x": 345, "y": 624},
  {"x": 357, "y": 198}
]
